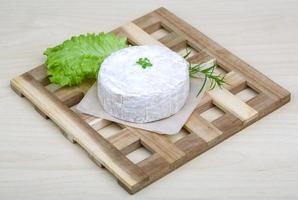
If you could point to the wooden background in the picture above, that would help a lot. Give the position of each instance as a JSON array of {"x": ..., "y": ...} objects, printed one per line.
[{"x": 260, "y": 162}]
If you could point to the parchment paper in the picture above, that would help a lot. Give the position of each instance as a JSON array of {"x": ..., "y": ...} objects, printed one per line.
[{"x": 171, "y": 125}]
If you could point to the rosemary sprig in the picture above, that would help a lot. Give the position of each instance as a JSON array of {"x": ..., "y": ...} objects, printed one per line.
[
  {"x": 215, "y": 79},
  {"x": 188, "y": 52}
]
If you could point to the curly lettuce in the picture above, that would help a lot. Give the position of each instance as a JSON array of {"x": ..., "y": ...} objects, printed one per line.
[{"x": 80, "y": 57}]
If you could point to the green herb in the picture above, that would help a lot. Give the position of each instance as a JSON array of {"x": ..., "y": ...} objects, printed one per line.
[
  {"x": 216, "y": 80},
  {"x": 80, "y": 57},
  {"x": 188, "y": 52},
  {"x": 144, "y": 62}
]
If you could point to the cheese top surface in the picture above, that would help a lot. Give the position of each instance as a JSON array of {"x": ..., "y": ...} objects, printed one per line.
[{"x": 121, "y": 73}]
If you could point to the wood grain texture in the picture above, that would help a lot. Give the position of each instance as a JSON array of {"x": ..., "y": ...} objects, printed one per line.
[
  {"x": 265, "y": 165},
  {"x": 225, "y": 100},
  {"x": 55, "y": 104},
  {"x": 138, "y": 36}
]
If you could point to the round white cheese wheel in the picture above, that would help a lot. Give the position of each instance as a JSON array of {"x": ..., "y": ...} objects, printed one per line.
[{"x": 131, "y": 93}]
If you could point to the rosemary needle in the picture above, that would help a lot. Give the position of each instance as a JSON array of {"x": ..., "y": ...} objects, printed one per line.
[{"x": 216, "y": 79}]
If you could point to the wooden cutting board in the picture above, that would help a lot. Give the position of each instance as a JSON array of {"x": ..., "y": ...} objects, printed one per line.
[{"x": 248, "y": 96}]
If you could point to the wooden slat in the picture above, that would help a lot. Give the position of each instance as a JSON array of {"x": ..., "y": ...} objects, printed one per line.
[
  {"x": 72, "y": 95},
  {"x": 94, "y": 122},
  {"x": 199, "y": 57},
  {"x": 155, "y": 166},
  {"x": 232, "y": 104},
  {"x": 69, "y": 96},
  {"x": 139, "y": 36},
  {"x": 204, "y": 129},
  {"x": 171, "y": 40},
  {"x": 159, "y": 144},
  {"x": 148, "y": 22},
  {"x": 234, "y": 82},
  {"x": 228, "y": 124},
  {"x": 263, "y": 104},
  {"x": 125, "y": 141},
  {"x": 192, "y": 145},
  {"x": 40, "y": 74}
]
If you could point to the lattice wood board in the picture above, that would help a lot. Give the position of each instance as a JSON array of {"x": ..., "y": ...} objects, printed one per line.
[{"x": 199, "y": 134}]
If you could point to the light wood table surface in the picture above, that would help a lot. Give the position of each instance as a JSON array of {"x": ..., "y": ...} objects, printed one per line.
[{"x": 260, "y": 162}]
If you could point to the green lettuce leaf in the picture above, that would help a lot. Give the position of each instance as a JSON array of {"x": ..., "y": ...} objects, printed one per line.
[{"x": 80, "y": 57}]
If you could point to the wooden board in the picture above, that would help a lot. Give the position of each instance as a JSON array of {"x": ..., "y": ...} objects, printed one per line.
[{"x": 248, "y": 97}]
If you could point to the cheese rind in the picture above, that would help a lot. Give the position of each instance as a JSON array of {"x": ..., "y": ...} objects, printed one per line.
[{"x": 131, "y": 93}]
